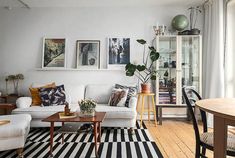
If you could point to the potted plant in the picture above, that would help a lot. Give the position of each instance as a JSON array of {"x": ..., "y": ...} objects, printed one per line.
[
  {"x": 15, "y": 79},
  {"x": 87, "y": 108},
  {"x": 144, "y": 72}
]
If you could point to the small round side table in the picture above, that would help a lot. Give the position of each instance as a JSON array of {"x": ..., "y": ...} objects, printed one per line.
[{"x": 141, "y": 99}]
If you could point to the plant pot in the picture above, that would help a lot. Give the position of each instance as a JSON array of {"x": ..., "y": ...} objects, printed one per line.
[
  {"x": 145, "y": 88},
  {"x": 87, "y": 113}
]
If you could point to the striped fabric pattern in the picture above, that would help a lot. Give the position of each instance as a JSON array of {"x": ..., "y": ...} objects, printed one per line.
[{"x": 116, "y": 143}]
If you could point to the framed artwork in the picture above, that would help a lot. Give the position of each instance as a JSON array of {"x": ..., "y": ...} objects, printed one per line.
[
  {"x": 118, "y": 52},
  {"x": 54, "y": 53},
  {"x": 88, "y": 54}
]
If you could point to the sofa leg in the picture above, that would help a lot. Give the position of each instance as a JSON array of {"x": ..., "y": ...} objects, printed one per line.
[
  {"x": 20, "y": 152},
  {"x": 131, "y": 130}
]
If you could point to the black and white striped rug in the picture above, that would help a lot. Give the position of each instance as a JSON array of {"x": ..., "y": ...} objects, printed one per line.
[{"x": 116, "y": 143}]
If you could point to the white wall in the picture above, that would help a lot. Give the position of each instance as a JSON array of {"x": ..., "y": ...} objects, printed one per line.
[{"x": 22, "y": 30}]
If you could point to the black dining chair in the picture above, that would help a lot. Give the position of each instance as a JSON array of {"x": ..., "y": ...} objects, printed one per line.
[{"x": 205, "y": 139}]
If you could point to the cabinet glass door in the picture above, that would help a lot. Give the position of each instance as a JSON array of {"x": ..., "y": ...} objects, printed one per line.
[
  {"x": 190, "y": 65},
  {"x": 166, "y": 92}
]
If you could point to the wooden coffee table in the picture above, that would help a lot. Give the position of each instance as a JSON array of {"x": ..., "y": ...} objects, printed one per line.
[{"x": 96, "y": 120}]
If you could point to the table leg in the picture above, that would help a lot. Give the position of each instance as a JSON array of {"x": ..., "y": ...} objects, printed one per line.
[
  {"x": 62, "y": 134},
  {"x": 138, "y": 102},
  {"x": 51, "y": 138},
  {"x": 160, "y": 115},
  {"x": 142, "y": 111},
  {"x": 95, "y": 138},
  {"x": 99, "y": 132},
  {"x": 154, "y": 111},
  {"x": 148, "y": 98},
  {"x": 220, "y": 137}
]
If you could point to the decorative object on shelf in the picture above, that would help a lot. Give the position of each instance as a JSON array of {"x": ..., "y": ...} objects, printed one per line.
[
  {"x": 160, "y": 30},
  {"x": 88, "y": 54},
  {"x": 54, "y": 53},
  {"x": 145, "y": 71},
  {"x": 66, "y": 109},
  {"x": 87, "y": 108},
  {"x": 118, "y": 52},
  {"x": 194, "y": 12},
  {"x": 180, "y": 22},
  {"x": 15, "y": 79}
]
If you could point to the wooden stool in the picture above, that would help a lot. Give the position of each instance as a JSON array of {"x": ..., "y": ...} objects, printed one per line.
[{"x": 149, "y": 96}]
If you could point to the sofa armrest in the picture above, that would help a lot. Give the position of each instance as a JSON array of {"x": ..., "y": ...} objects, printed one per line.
[
  {"x": 23, "y": 102},
  {"x": 133, "y": 102}
]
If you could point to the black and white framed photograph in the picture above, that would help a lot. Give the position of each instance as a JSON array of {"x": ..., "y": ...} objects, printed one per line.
[
  {"x": 118, "y": 51},
  {"x": 88, "y": 54},
  {"x": 54, "y": 53}
]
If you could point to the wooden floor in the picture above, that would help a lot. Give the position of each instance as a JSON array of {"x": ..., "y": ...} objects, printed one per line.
[{"x": 175, "y": 139}]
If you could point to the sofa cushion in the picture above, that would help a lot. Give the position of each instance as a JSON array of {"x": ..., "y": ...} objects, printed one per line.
[
  {"x": 99, "y": 93},
  {"x": 52, "y": 96},
  {"x": 116, "y": 112},
  {"x": 34, "y": 90},
  {"x": 76, "y": 92},
  {"x": 132, "y": 92},
  {"x": 43, "y": 112},
  {"x": 118, "y": 97},
  {"x": 17, "y": 127}
]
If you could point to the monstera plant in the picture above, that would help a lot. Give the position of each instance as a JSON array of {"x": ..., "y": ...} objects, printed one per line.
[{"x": 144, "y": 72}]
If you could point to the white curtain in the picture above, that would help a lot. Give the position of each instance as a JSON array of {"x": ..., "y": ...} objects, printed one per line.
[
  {"x": 213, "y": 51},
  {"x": 230, "y": 51}
]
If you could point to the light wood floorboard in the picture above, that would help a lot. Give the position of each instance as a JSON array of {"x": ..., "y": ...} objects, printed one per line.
[{"x": 175, "y": 139}]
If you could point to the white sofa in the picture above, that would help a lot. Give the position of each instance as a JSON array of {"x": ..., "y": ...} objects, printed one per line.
[{"x": 115, "y": 116}]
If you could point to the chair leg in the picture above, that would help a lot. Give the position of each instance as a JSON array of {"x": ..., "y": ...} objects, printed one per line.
[
  {"x": 197, "y": 152},
  {"x": 20, "y": 152},
  {"x": 203, "y": 151}
]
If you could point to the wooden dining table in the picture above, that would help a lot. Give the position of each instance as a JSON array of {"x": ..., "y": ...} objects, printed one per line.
[{"x": 223, "y": 110}]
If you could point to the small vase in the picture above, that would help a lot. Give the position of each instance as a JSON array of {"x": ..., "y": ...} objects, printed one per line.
[
  {"x": 145, "y": 88},
  {"x": 87, "y": 113}
]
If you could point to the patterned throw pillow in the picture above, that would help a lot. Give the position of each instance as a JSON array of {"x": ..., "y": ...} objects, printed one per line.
[
  {"x": 53, "y": 96},
  {"x": 118, "y": 97},
  {"x": 132, "y": 91}
]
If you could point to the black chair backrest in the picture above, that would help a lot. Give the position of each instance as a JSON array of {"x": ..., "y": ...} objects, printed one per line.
[{"x": 191, "y": 96}]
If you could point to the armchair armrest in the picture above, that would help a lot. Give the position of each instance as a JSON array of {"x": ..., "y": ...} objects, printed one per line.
[
  {"x": 133, "y": 102},
  {"x": 23, "y": 102}
]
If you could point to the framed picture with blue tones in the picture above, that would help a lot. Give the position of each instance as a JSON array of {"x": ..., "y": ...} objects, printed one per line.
[{"x": 118, "y": 52}]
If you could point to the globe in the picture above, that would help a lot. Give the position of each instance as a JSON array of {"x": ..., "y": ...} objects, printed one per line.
[{"x": 180, "y": 22}]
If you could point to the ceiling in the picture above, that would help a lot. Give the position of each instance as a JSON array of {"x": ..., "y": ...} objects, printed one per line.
[{"x": 97, "y": 3}]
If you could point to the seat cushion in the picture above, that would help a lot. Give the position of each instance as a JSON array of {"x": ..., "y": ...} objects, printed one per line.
[
  {"x": 116, "y": 112},
  {"x": 39, "y": 112},
  {"x": 17, "y": 127},
  {"x": 208, "y": 138}
]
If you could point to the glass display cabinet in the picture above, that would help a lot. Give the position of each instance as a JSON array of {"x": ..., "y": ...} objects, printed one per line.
[{"x": 179, "y": 65}]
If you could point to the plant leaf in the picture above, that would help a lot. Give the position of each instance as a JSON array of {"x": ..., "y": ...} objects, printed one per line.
[
  {"x": 154, "y": 55},
  {"x": 141, "y": 67},
  {"x": 152, "y": 49},
  {"x": 141, "y": 41},
  {"x": 129, "y": 73},
  {"x": 153, "y": 77}
]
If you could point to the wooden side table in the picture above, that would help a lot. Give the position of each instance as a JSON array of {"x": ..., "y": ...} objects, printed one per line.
[
  {"x": 141, "y": 99},
  {"x": 8, "y": 98},
  {"x": 7, "y": 107}
]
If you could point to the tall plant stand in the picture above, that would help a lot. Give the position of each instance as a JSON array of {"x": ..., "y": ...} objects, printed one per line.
[{"x": 150, "y": 108}]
